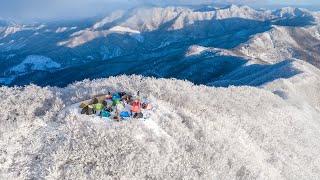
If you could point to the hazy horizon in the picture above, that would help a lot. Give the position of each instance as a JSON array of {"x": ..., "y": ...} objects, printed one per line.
[{"x": 45, "y": 10}]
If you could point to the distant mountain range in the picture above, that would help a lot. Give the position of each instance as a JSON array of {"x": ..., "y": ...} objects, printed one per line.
[
  {"x": 201, "y": 44},
  {"x": 251, "y": 110}
]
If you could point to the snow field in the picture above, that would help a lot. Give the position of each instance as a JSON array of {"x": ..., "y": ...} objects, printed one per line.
[{"x": 197, "y": 132}]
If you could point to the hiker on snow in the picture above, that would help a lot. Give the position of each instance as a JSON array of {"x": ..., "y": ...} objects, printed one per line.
[{"x": 136, "y": 107}]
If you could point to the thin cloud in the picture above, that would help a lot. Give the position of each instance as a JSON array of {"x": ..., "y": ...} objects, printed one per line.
[{"x": 68, "y": 9}]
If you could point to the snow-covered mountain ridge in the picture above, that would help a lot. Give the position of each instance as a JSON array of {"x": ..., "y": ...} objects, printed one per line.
[
  {"x": 247, "y": 104},
  {"x": 172, "y": 18},
  {"x": 154, "y": 41}
]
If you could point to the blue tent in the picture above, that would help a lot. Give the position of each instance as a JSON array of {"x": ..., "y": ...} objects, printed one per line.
[
  {"x": 105, "y": 114},
  {"x": 124, "y": 114}
]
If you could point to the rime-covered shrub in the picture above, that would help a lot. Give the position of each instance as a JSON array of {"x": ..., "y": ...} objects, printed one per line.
[{"x": 196, "y": 132}]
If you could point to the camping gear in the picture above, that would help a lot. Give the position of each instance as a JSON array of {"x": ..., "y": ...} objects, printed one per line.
[
  {"x": 136, "y": 106},
  {"x": 124, "y": 114},
  {"x": 116, "y": 96},
  {"x": 108, "y": 96},
  {"x": 109, "y": 109},
  {"x": 127, "y": 107},
  {"x": 100, "y": 97},
  {"x": 105, "y": 114},
  {"x": 105, "y": 103},
  {"x": 117, "y": 106},
  {"x": 137, "y": 96},
  {"x": 115, "y": 102},
  {"x": 87, "y": 108},
  {"x": 121, "y": 94},
  {"x": 83, "y": 105},
  {"x": 90, "y": 110},
  {"x": 116, "y": 117},
  {"x": 84, "y": 110},
  {"x": 95, "y": 101},
  {"x": 138, "y": 115},
  {"x": 108, "y": 103},
  {"x": 147, "y": 106},
  {"x": 98, "y": 107},
  {"x": 126, "y": 98}
]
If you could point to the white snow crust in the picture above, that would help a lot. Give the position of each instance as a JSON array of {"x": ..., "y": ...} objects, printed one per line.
[
  {"x": 35, "y": 62},
  {"x": 270, "y": 131},
  {"x": 61, "y": 29},
  {"x": 196, "y": 132}
]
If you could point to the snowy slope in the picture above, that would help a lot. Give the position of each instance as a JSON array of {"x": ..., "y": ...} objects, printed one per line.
[
  {"x": 245, "y": 12},
  {"x": 195, "y": 50},
  {"x": 284, "y": 42},
  {"x": 148, "y": 19},
  {"x": 197, "y": 132},
  {"x": 266, "y": 126},
  {"x": 289, "y": 12},
  {"x": 35, "y": 62},
  {"x": 10, "y": 30}
]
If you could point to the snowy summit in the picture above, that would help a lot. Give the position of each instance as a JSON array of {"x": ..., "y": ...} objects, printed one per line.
[{"x": 171, "y": 92}]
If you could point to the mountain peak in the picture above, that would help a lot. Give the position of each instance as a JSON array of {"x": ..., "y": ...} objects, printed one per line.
[
  {"x": 232, "y": 6},
  {"x": 235, "y": 7},
  {"x": 291, "y": 12}
]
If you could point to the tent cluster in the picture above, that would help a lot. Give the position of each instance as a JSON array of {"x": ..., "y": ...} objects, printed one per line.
[{"x": 117, "y": 106}]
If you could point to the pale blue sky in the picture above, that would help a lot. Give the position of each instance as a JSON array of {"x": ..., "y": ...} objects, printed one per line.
[
  {"x": 64, "y": 9},
  {"x": 306, "y": 2}
]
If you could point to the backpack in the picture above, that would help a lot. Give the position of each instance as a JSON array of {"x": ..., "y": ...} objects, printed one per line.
[
  {"x": 121, "y": 94},
  {"x": 138, "y": 115},
  {"x": 84, "y": 110},
  {"x": 90, "y": 110}
]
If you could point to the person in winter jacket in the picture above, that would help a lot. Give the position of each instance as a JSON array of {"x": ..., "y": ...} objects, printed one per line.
[
  {"x": 147, "y": 106},
  {"x": 136, "y": 106},
  {"x": 127, "y": 98},
  {"x": 109, "y": 96}
]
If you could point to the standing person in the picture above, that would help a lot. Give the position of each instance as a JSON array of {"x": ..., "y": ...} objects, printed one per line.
[
  {"x": 126, "y": 98},
  {"x": 136, "y": 106},
  {"x": 109, "y": 96},
  {"x": 117, "y": 116},
  {"x": 119, "y": 106},
  {"x": 138, "y": 96}
]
